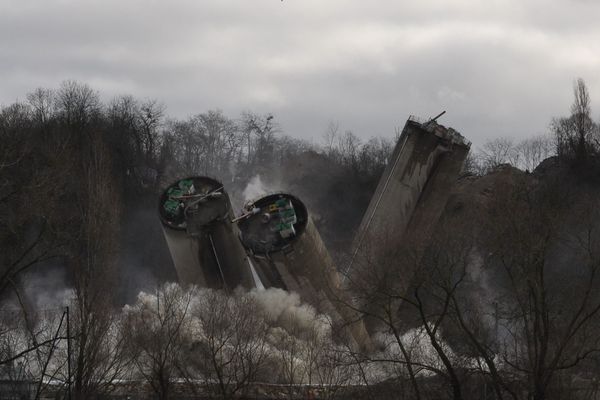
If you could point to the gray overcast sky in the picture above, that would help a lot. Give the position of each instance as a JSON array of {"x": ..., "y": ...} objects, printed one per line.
[{"x": 499, "y": 67}]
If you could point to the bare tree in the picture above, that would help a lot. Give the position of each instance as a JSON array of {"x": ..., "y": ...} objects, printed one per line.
[
  {"x": 329, "y": 365},
  {"x": 330, "y": 138},
  {"x": 290, "y": 351},
  {"x": 532, "y": 151},
  {"x": 259, "y": 132},
  {"x": 497, "y": 152},
  {"x": 77, "y": 104},
  {"x": 42, "y": 102},
  {"x": 349, "y": 149},
  {"x": 577, "y": 135},
  {"x": 230, "y": 346},
  {"x": 159, "y": 334},
  {"x": 149, "y": 118},
  {"x": 523, "y": 307},
  {"x": 548, "y": 323},
  {"x": 96, "y": 342},
  {"x": 31, "y": 234},
  {"x": 221, "y": 141}
]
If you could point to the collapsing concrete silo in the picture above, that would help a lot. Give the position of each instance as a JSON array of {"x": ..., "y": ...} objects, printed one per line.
[
  {"x": 402, "y": 214},
  {"x": 287, "y": 252},
  {"x": 203, "y": 242}
]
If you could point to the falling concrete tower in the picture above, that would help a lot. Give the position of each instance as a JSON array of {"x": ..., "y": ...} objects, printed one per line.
[
  {"x": 287, "y": 252},
  {"x": 196, "y": 215},
  {"x": 404, "y": 210}
]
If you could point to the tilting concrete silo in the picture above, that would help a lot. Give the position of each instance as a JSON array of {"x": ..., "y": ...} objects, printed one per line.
[
  {"x": 401, "y": 217},
  {"x": 196, "y": 214},
  {"x": 287, "y": 252}
]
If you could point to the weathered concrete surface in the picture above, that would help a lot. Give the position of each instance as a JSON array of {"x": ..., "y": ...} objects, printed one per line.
[
  {"x": 402, "y": 215},
  {"x": 232, "y": 255},
  {"x": 195, "y": 262}
]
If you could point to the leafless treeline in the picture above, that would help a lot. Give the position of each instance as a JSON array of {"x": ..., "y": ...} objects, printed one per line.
[
  {"x": 575, "y": 138},
  {"x": 206, "y": 342},
  {"x": 504, "y": 307},
  {"x": 505, "y": 302}
]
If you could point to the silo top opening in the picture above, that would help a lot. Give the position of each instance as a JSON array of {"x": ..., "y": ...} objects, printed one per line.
[
  {"x": 193, "y": 202},
  {"x": 272, "y": 223}
]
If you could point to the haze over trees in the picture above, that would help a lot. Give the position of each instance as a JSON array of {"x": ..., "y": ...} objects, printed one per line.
[{"x": 504, "y": 304}]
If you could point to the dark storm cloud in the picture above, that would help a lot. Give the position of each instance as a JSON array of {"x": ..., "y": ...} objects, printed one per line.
[{"x": 497, "y": 67}]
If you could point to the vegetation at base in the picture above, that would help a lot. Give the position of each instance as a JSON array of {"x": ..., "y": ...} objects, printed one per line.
[{"x": 507, "y": 301}]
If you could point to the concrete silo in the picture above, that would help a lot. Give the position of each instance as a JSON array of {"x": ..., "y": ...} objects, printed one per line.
[
  {"x": 287, "y": 252},
  {"x": 196, "y": 215},
  {"x": 408, "y": 202}
]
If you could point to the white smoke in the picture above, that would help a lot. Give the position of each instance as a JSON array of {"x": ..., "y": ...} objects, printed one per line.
[
  {"x": 44, "y": 290},
  {"x": 417, "y": 344},
  {"x": 255, "y": 189},
  {"x": 280, "y": 308},
  {"x": 283, "y": 308}
]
